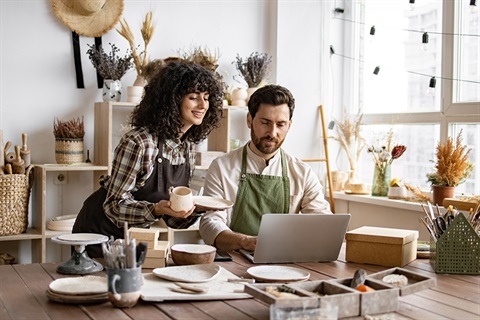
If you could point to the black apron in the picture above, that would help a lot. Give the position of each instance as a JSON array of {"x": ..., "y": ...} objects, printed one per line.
[{"x": 92, "y": 218}]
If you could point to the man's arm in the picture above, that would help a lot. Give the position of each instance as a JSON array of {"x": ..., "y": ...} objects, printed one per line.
[{"x": 228, "y": 240}]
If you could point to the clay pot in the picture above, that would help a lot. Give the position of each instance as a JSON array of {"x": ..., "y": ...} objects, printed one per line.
[{"x": 442, "y": 192}]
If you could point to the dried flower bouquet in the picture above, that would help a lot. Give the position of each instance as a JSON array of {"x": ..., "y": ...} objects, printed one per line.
[
  {"x": 452, "y": 163},
  {"x": 110, "y": 65},
  {"x": 254, "y": 69}
]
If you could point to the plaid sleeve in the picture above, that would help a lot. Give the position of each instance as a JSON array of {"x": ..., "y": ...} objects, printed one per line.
[
  {"x": 132, "y": 165},
  {"x": 179, "y": 223}
]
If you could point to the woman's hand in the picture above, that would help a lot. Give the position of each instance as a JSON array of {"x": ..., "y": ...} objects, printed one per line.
[{"x": 163, "y": 207}]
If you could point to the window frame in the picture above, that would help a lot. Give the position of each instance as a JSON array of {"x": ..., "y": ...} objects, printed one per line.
[{"x": 450, "y": 112}]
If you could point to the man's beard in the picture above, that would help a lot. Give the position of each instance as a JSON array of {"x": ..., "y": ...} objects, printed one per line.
[{"x": 260, "y": 145}]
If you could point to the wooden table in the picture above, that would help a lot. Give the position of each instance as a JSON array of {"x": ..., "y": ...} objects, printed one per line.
[{"x": 22, "y": 296}]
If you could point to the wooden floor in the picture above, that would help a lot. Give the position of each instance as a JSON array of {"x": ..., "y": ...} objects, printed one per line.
[{"x": 22, "y": 296}]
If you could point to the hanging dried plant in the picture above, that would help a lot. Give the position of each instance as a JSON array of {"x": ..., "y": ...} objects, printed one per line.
[
  {"x": 452, "y": 163},
  {"x": 254, "y": 69},
  {"x": 70, "y": 129}
]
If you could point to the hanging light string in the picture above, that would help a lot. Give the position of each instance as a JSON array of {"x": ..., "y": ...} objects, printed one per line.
[
  {"x": 332, "y": 52},
  {"x": 444, "y": 78},
  {"x": 376, "y": 27}
]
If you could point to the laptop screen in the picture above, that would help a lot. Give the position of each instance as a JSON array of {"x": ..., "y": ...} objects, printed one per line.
[{"x": 285, "y": 238}]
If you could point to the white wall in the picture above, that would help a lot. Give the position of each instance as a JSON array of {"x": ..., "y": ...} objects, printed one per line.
[{"x": 37, "y": 76}]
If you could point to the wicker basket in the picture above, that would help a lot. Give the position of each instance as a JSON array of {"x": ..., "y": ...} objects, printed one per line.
[
  {"x": 14, "y": 197},
  {"x": 69, "y": 151},
  {"x": 457, "y": 250}
]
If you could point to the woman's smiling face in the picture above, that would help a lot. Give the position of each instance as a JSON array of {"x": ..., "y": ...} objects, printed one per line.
[{"x": 193, "y": 108}]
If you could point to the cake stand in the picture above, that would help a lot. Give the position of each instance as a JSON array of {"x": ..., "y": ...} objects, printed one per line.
[{"x": 80, "y": 262}]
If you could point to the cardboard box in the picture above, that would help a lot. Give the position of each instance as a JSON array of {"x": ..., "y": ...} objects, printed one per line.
[
  {"x": 152, "y": 263},
  {"x": 381, "y": 246},
  {"x": 204, "y": 158},
  {"x": 149, "y": 236},
  {"x": 160, "y": 251}
]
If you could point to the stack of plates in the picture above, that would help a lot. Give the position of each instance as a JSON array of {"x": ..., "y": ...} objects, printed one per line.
[
  {"x": 88, "y": 289},
  {"x": 62, "y": 223}
]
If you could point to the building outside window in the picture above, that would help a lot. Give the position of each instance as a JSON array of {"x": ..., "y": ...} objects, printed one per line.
[{"x": 401, "y": 96}]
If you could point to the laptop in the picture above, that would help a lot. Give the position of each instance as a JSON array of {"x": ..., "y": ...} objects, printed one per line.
[{"x": 288, "y": 238}]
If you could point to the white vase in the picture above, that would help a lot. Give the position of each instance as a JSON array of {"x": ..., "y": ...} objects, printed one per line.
[
  {"x": 135, "y": 94},
  {"x": 239, "y": 97},
  {"x": 112, "y": 90},
  {"x": 250, "y": 91}
]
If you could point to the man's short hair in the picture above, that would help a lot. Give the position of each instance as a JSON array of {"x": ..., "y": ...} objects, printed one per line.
[{"x": 271, "y": 94}]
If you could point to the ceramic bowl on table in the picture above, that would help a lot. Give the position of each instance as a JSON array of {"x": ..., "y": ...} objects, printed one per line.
[{"x": 188, "y": 254}]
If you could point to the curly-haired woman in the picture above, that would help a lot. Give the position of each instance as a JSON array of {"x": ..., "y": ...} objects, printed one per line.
[{"x": 181, "y": 106}]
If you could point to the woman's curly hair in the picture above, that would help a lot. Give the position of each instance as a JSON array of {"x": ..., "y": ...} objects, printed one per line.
[{"x": 159, "y": 110}]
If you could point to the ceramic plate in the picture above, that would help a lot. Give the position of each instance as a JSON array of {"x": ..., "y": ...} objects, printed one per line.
[
  {"x": 192, "y": 273},
  {"x": 88, "y": 285},
  {"x": 81, "y": 299},
  {"x": 82, "y": 237},
  {"x": 212, "y": 202},
  {"x": 66, "y": 217},
  {"x": 278, "y": 274}
]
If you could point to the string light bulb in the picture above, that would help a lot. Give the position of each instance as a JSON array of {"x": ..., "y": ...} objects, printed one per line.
[
  {"x": 431, "y": 86},
  {"x": 412, "y": 4},
  {"x": 372, "y": 31},
  {"x": 473, "y": 6},
  {"x": 332, "y": 50},
  {"x": 425, "y": 41},
  {"x": 376, "y": 70}
]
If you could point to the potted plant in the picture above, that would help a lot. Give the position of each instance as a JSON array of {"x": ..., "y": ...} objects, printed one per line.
[
  {"x": 68, "y": 140},
  {"x": 112, "y": 68},
  {"x": 254, "y": 70},
  {"x": 452, "y": 168}
]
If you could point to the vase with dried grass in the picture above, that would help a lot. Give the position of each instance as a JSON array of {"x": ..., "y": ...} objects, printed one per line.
[
  {"x": 140, "y": 60},
  {"x": 69, "y": 140},
  {"x": 351, "y": 141},
  {"x": 452, "y": 168}
]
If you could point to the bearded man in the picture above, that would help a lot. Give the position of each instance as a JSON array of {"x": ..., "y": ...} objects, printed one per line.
[{"x": 260, "y": 177}]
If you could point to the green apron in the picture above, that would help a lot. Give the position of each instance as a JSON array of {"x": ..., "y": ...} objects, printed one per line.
[{"x": 258, "y": 194}]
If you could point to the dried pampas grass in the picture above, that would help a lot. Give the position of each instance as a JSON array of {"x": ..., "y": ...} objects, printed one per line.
[
  {"x": 140, "y": 60},
  {"x": 350, "y": 138}
]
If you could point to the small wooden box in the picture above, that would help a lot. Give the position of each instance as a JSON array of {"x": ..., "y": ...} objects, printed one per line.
[
  {"x": 204, "y": 158},
  {"x": 416, "y": 281},
  {"x": 381, "y": 246},
  {"x": 384, "y": 299}
]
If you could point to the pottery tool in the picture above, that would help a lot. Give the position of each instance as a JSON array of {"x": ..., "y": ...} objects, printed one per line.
[
  {"x": 18, "y": 164},
  {"x": 25, "y": 152},
  {"x": 9, "y": 156},
  {"x": 8, "y": 168},
  {"x": 192, "y": 288}
]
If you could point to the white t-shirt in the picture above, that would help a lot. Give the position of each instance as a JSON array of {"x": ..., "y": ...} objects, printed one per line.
[{"x": 223, "y": 177}]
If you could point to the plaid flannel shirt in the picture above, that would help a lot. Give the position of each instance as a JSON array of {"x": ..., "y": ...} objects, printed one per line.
[{"x": 133, "y": 163}]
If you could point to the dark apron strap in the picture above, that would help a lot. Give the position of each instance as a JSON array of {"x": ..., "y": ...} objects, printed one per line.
[
  {"x": 78, "y": 60},
  {"x": 98, "y": 44}
]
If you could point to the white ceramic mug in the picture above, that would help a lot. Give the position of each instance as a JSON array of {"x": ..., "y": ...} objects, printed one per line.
[{"x": 181, "y": 198}]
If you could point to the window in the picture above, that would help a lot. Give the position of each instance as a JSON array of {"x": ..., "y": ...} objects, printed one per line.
[{"x": 400, "y": 96}]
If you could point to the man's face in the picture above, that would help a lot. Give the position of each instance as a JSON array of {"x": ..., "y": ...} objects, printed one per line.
[{"x": 269, "y": 127}]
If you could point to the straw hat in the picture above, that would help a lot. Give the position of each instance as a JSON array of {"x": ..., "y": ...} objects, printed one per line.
[{"x": 91, "y": 18}]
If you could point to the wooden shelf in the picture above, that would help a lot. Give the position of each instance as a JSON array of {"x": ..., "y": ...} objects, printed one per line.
[{"x": 30, "y": 234}]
